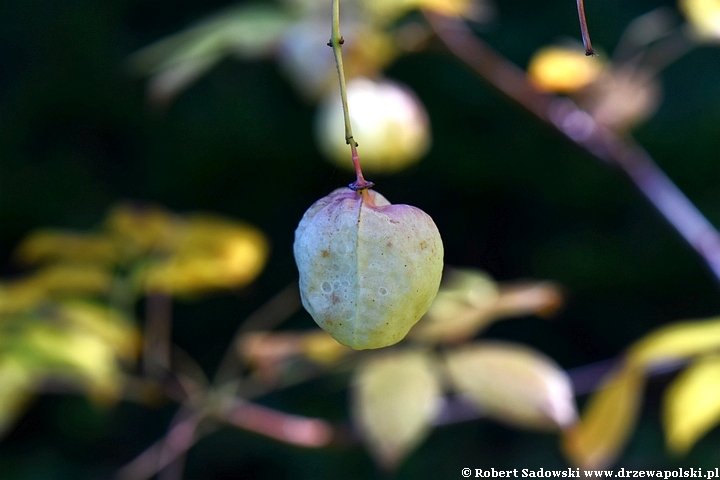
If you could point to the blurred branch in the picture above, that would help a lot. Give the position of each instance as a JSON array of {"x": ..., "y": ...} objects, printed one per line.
[
  {"x": 275, "y": 311},
  {"x": 580, "y": 128},
  {"x": 179, "y": 438},
  {"x": 293, "y": 429},
  {"x": 158, "y": 331}
]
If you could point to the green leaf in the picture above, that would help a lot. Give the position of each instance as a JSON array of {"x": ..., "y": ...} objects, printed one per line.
[{"x": 395, "y": 398}]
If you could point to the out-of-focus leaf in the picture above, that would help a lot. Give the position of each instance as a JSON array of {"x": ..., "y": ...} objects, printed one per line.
[
  {"x": 269, "y": 353},
  {"x": 461, "y": 308},
  {"x": 312, "y": 71},
  {"x": 309, "y": 69},
  {"x": 164, "y": 86},
  {"x": 246, "y": 31},
  {"x": 143, "y": 229},
  {"x": 321, "y": 348},
  {"x": 109, "y": 324},
  {"x": 15, "y": 391},
  {"x": 263, "y": 347},
  {"x": 675, "y": 342},
  {"x": 469, "y": 300},
  {"x": 622, "y": 98},
  {"x": 525, "y": 298},
  {"x": 211, "y": 253},
  {"x": 606, "y": 422},
  {"x": 387, "y": 11},
  {"x": 54, "y": 281},
  {"x": 58, "y": 245},
  {"x": 72, "y": 354},
  {"x": 704, "y": 17},
  {"x": 563, "y": 69},
  {"x": 692, "y": 404},
  {"x": 513, "y": 384},
  {"x": 395, "y": 398}
]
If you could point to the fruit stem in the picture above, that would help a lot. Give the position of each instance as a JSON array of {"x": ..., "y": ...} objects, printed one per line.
[
  {"x": 584, "y": 31},
  {"x": 335, "y": 42}
]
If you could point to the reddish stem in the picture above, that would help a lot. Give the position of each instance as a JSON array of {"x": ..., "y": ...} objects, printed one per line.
[{"x": 360, "y": 184}]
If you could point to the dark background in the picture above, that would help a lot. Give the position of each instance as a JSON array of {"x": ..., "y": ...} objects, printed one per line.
[{"x": 508, "y": 194}]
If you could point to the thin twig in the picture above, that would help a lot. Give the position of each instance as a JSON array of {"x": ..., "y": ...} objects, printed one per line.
[
  {"x": 179, "y": 438},
  {"x": 275, "y": 311},
  {"x": 292, "y": 429},
  {"x": 584, "y": 30},
  {"x": 336, "y": 40},
  {"x": 579, "y": 127},
  {"x": 158, "y": 330}
]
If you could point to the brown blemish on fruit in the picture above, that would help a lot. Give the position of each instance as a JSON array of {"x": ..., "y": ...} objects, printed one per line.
[
  {"x": 329, "y": 322},
  {"x": 423, "y": 245},
  {"x": 325, "y": 253},
  {"x": 389, "y": 244}
]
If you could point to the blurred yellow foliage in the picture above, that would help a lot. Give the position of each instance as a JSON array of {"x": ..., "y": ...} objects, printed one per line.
[
  {"x": 691, "y": 405},
  {"x": 675, "y": 342},
  {"x": 703, "y": 16},
  {"x": 57, "y": 323},
  {"x": 108, "y": 324},
  {"x": 142, "y": 229},
  {"x": 58, "y": 245},
  {"x": 563, "y": 69},
  {"x": 321, "y": 348},
  {"x": 16, "y": 381},
  {"x": 52, "y": 282},
  {"x": 607, "y": 421},
  {"x": 76, "y": 354},
  {"x": 370, "y": 51},
  {"x": 395, "y": 398},
  {"x": 388, "y": 11},
  {"x": 210, "y": 253}
]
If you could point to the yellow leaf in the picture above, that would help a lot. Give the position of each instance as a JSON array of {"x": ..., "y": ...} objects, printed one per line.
[
  {"x": 210, "y": 253},
  {"x": 387, "y": 11},
  {"x": 73, "y": 355},
  {"x": 321, "y": 348},
  {"x": 142, "y": 229},
  {"x": 607, "y": 421},
  {"x": 691, "y": 405},
  {"x": 108, "y": 324},
  {"x": 675, "y": 342},
  {"x": 703, "y": 16},
  {"x": 15, "y": 391},
  {"x": 513, "y": 384},
  {"x": 462, "y": 306},
  {"x": 53, "y": 281},
  {"x": 395, "y": 398},
  {"x": 563, "y": 69},
  {"x": 58, "y": 245}
]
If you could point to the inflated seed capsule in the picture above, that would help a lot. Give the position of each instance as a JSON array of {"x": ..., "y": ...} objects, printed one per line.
[{"x": 368, "y": 269}]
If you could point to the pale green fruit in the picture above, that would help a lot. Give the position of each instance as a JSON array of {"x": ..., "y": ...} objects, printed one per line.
[{"x": 368, "y": 269}]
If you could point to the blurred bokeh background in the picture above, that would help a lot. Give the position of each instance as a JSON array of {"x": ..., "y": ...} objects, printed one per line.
[{"x": 508, "y": 194}]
